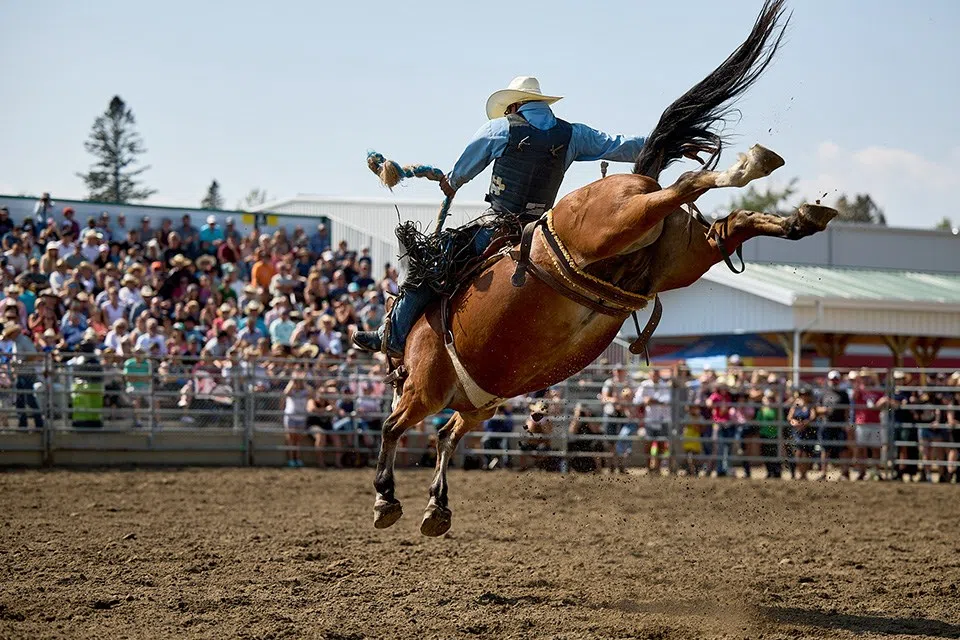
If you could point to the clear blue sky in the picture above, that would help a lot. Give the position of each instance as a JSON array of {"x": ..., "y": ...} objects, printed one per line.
[{"x": 288, "y": 96}]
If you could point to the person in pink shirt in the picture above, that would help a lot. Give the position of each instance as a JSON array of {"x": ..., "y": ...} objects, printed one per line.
[{"x": 724, "y": 432}]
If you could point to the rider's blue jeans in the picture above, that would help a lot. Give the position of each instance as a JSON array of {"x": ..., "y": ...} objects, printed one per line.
[{"x": 414, "y": 301}]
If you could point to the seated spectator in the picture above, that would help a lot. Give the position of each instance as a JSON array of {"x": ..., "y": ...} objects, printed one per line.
[
  {"x": 281, "y": 329},
  {"x": 146, "y": 342},
  {"x": 328, "y": 340}
]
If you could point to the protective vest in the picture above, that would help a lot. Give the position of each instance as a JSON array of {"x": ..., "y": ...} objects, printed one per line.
[{"x": 527, "y": 176}]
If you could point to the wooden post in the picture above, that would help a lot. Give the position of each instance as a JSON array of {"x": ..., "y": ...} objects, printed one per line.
[
  {"x": 898, "y": 346},
  {"x": 925, "y": 351},
  {"x": 830, "y": 345},
  {"x": 786, "y": 341}
]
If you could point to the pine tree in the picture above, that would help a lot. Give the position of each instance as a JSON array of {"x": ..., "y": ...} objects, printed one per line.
[
  {"x": 859, "y": 209},
  {"x": 255, "y": 198},
  {"x": 213, "y": 199},
  {"x": 116, "y": 145}
]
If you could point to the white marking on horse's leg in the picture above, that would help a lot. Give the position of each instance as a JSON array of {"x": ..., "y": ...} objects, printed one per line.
[{"x": 758, "y": 162}]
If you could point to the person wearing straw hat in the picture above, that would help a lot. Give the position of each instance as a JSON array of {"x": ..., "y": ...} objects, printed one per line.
[{"x": 531, "y": 150}]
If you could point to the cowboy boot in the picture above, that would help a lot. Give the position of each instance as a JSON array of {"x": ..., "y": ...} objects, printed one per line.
[{"x": 368, "y": 341}]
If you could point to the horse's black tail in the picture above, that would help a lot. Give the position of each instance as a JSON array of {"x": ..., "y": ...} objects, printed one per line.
[{"x": 692, "y": 118}]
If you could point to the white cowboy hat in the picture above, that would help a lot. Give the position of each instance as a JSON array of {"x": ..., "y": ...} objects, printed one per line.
[{"x": 520, "y": 89}]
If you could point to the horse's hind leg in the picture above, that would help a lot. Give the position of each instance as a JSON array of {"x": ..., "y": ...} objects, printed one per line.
[
  {"x": 409, "y": 411},
  {"x": 643, "y": 212},
  {"x": 700, "y": 249},
  {"x": 437, "y": 516}
]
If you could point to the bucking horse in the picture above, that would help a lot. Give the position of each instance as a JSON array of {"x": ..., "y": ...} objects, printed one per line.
[{"x": 547, "y": 303}]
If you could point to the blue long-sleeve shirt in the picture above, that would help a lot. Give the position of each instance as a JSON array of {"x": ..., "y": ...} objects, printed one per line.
[{"x": 586, "y": 144}]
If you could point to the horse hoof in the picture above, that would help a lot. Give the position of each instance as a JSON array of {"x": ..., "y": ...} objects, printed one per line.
[
  {"x": 817, "y": 215},
  {"x": 436, "y": 521},
  {"x": 763, "y": 160},
  {"x": 385, "y": 514}
]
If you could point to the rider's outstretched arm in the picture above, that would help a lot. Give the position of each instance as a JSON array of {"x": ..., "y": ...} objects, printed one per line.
[
  {"x": 587, "y": 145},
  {"x": 487, "y": 145}
]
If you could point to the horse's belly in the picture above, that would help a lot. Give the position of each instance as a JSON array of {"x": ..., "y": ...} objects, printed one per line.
[{"x": 514, "y": 340}]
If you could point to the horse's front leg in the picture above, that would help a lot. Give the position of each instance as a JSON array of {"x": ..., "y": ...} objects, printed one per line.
[
  {"x": 437, "y": 516},
  {"x": 408, "y": 412}
]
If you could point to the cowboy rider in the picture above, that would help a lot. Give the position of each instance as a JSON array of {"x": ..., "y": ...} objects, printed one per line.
[{"x": 531, "y": 149}]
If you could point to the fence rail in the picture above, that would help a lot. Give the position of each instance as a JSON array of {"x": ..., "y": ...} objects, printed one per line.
[{"x": 81, "y": 410}]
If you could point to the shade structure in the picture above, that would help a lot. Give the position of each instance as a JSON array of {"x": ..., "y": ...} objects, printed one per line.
[{"x": 744, "y": 345}]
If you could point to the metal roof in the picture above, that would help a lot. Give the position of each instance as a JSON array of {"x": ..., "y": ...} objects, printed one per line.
[{"x": 799, "y": 284}]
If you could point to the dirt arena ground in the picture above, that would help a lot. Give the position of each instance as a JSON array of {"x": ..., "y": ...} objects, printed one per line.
[{"x": 270, "y": 553}]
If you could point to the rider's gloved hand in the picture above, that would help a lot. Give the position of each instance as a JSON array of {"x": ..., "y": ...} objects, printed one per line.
[{"x": 446, "y": 188}]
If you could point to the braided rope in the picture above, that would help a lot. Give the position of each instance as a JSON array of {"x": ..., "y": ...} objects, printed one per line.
[{"x": 391, "y": 174}]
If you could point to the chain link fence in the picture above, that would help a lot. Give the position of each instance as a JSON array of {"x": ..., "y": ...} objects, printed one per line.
[{"x": 84, "y": 409}]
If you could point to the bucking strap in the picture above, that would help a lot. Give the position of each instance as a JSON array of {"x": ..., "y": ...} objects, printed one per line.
[
  {"x": 523, "y": 260},
  {"x": 640, "y": 345},
  {"x": 695, "y": 212}
]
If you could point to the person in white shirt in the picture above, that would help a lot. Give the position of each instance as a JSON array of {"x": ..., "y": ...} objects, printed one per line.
[
  {"x": 130, "y": 292},
  {"x": 113, "y": 307},
  {"x": 58, "y": 279},
  {"x": 16, "y": 258},
  {"x": 116, "y": 338},
  {"x": 152, "y": 337},
  {"x": 90, "y": 250},
  {"x": 654, "y": 394}
]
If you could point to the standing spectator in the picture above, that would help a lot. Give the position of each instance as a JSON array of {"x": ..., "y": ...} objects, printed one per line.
[
  {"x": 26, "y": 365},
  {"x": 930, "y": 435},
  {"x": 138, "y": 372},
  {"x": 654, "y": 396},
  {"x": 611, "y": 395},
  {"x": 835, "y": 412},
  {"x": 905, "y": 427},
  {"x": 868, "y": 401},
  {"x": 296, "y": 394},
  {"x": 724, "y": 434},
  {"x": 802, "y": 417},
  {"x": 43, "y": 210},
  {"x": 948, "y": 416}
]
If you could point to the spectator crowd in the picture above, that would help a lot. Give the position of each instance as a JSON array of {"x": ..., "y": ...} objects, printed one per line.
[{"x": 164, "y": 305}]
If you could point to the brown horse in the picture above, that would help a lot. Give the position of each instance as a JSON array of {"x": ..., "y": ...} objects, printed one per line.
[{"x": 623, "y": 229}]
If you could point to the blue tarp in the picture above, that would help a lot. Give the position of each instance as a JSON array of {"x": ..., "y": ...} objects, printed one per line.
[{"x": 744, "y": 345}]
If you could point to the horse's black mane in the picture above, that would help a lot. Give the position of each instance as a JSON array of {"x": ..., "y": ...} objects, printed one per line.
[{"x": 693, "y": 117}]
